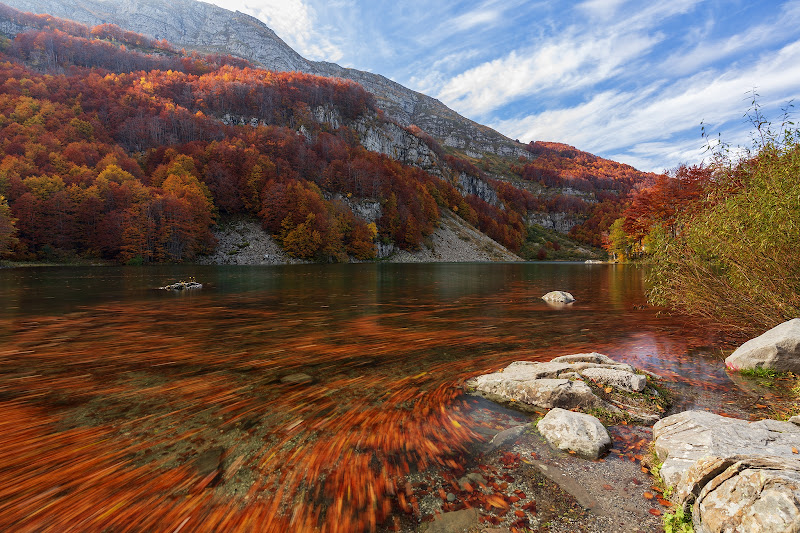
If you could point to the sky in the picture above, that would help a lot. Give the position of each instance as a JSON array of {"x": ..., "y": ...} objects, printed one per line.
[{"x": 628, "y": 80}]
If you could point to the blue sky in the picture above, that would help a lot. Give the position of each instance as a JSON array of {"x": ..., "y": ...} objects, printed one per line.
[{"x": 625, "y": 79}]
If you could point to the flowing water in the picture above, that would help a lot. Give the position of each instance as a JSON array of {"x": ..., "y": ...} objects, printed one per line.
[{"x": 292, "y": 397}]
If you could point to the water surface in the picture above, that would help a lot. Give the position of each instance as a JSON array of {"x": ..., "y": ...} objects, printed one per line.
[{"x": 288, "y": 396}]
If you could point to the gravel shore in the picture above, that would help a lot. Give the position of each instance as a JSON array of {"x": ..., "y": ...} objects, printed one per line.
[{"x": 245, "y": 242}]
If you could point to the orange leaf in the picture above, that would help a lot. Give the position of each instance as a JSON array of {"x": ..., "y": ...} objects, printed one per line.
[
  {"x": 654, "y": 512},
  {"x": 648, "y": 495},
  {"x": 794, "y": 450}
]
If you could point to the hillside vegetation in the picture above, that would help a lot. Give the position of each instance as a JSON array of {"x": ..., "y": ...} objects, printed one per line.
[{"x": 119, "y": 147}]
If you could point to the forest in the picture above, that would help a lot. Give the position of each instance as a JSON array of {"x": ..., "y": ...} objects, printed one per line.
[{"x": 114, "y": 146}]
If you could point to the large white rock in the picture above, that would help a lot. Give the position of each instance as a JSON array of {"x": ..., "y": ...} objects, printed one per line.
[
  {"x": 558, "y": 297},
  {"x": 683, "y": 439},
  {"x": 777, "y": 349},
  {"x": 759, "y": 494},
  {"x": 577, "y": 432},
  {"x": 620, "y": 379}
]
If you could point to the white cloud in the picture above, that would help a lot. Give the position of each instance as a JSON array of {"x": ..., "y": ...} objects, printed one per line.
[
  {"x": 472, "y": 19},
  {"x": 604, "y": 9},
  {"x": 706, "y": 51},
  {"x": 570, "y": 62},
  {"x": 294, "y": 21},
  {"x": 643, "y": 123}
]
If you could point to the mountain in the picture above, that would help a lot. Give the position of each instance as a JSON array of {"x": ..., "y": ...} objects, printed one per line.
[
  {"x": 522, "y": 196},
  {"x": 208, "y": 28}
]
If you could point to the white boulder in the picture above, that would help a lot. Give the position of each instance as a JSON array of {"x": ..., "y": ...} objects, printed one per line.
[
  {"x": 777, "y": 349},
  {"x": 576, "y": 432},
  {"x": 558, "y": 297}
]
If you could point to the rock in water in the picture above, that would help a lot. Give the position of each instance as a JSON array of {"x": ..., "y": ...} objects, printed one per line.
[
  {"x": 558, "y": 297},
  {"x": 298, "y": 378},
  {"x": 577, "y": 432},
  {"x": 777, "y": 349},
  {"x": 564, "y": 382},
  {"x": 545, "y": 393},
  {"x": 182, "y": 286},
  {"x": 683, "y": 439}
]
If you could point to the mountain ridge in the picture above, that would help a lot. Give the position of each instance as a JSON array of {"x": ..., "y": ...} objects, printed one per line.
[{"x": 209, "y": 28}]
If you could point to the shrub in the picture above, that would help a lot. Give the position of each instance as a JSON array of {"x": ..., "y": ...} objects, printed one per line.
[{"x": 734, "y": 260}]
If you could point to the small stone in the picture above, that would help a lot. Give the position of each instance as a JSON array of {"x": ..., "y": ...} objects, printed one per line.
[
  {"x": 297, "y": 379},
  {"x": 209, "y": 461},
  {"x": 476, "y": 477},
  {"x": 451, "y": 497},
  {"x": 795, "y": 420},
  {"x": 453, "y": 522}
]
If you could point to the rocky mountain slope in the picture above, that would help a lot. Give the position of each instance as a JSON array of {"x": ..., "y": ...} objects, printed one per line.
[{"x": 208, "y": 28}]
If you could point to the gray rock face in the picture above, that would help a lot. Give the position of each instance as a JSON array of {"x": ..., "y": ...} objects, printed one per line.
[
  {"x": 558, "y": 296},
  {"x": 474, "y": 185},
  {"x": 777, "y": 349},
  {"x": 743, "y": 493},
  {"x": 683, "y": 439},
  {"x": 620, "y": 379},
  {"x": 558, "y": 221},
  {"x": 577, "y": 432}
]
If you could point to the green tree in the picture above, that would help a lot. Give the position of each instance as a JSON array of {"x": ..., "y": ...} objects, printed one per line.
[
  {"x": 7, "y": 228},
  {"x": 618, "y": 244}
]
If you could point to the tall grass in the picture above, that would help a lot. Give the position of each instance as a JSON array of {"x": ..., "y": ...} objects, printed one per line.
[{"x": 736, "y": 260}]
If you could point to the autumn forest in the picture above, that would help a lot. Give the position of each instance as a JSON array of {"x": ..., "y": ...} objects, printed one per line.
[{"x": 119, "y": 147}]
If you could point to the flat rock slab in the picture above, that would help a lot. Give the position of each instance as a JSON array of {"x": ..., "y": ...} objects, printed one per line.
[
  {"x": 592, "y": 357},
  {"x": 562, "y": 383},
  {"x": 743, "y": 493},
  {"x": 620, "y": 379},
  {"x": 545, "y": 393},
  {"x": 683, "y": 439},
  {"x": 575, "y": 432},
  {"x": 777, "y": 349}
]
